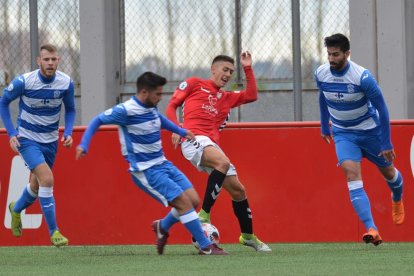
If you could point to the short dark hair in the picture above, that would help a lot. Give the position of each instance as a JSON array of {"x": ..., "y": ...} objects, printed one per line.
[
  {"x": 223, "y": 58},
  {"x": 338, "y": 40},
  {"x": 150, "y": 81},
  {"x": 48, "y": 47}
]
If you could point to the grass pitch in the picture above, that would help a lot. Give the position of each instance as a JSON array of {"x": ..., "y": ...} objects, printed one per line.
[{"x": 286, "y": 259}]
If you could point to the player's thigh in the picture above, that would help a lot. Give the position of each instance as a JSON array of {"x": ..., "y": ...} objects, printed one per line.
[
  {"x": 195, "y": 152},
  {"x": 347, "y": 148},
  {"x": 31, "y": 152},
  {"x": 193, "y": 196},
  {"x": 371, "y": 147},
  {"x": 181, "y": 180},
  {"x": 49, "y": 151},
  {"x": 44, "y": 175},
  {"x": 177, "y": 176},
  {"x": 234, "y": 187},
  {"x": 214, "y": 158},
  {"x": 156, "y": 183}
]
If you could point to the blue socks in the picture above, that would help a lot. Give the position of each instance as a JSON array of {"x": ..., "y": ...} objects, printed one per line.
[
  {"x": 170, "y": 219},
  {"x": 47, "y": 202},
  {"x": 193, "y": 225},
  {"x": 26, "y": 199},
  {"x": 396, "y": 186},
  {"x": 360, "y": 202}
]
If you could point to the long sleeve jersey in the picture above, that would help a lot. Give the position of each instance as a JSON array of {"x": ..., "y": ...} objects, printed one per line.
[
  {"x": 39, "y": 106},
  {"x": 206, "y": 107},
  {"x": 139, "y": 128},
  {"x": 352, "y": 100}
]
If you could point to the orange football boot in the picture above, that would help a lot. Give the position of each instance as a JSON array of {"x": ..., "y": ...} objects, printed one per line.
[
  {"x": 397, "y": 212},
  {"x": 372, "y": 236}
]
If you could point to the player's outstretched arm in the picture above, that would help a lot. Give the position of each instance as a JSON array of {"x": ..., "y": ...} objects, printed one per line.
[{"x": 82, "y": 148}]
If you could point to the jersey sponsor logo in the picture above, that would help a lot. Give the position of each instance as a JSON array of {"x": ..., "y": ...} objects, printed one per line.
[
  {"x": 40, "y": 104},
  {"x": 210, "y": 108},
  {"x": 339, "y": 95},
  {"x": 183, "y": 85},
  {"x": 10, "y": 87}
]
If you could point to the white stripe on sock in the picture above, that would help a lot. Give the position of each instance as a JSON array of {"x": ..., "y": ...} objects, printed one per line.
[{"x": 188, "y": 217}]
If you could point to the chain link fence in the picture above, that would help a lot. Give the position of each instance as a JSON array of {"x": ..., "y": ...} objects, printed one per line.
[
  {"x": 179, "y": 38},
  {"x": 14, "y": 39},
  {"x": 320, "y": 19},
  {"x": 58, "y": 24}
]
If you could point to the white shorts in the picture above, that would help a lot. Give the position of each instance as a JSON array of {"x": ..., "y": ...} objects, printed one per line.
[{"x": 193, "y": 151}]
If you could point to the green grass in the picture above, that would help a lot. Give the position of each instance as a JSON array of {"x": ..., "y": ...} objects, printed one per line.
[{"x": 286, "y": 259}]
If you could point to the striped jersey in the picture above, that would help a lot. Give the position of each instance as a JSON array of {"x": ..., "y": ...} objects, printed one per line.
[
  {"x": 352, "y": 100},
  {"x": 39, "y": 106},
  {"x": 139, "y": 132}
]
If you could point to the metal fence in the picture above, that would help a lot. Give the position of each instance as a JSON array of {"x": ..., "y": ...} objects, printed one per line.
[
  {"x": 177, "y": 38},
  {"x": 20, "y": 36}
]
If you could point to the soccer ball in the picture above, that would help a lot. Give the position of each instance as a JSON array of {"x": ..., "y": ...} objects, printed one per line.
[{"x": 211, "y": 232}]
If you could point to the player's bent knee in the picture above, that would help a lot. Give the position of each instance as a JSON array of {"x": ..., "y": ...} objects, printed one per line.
[
  {"x": 238, "y": 193},
  {"x": 46, "y": 182}
]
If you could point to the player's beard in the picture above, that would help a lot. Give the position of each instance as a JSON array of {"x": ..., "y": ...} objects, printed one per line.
[
  {"x": 337, "y": 66},
  {"x": 150, "y": 104}
]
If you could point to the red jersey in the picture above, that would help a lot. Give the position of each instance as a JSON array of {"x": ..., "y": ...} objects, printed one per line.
[{"x": 206, "y": 107}]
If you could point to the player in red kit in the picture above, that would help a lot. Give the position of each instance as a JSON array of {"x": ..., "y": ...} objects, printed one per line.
[{"x": 206, "y": 108}]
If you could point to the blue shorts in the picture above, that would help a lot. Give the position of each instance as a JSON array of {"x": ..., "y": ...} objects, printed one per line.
[
  {"x": 35, "y": 153},
  {"x": 353, "y": 146},
  {"x": 163, "y": 182}
]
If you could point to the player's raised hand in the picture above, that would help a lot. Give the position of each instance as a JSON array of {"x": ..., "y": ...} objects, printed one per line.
[
  {"x": 80, "y": 152},
  {"x": 67, "y": 141},
  {"x": 246, "y": 59},
  {"x": 175, "y": 138},
  {"x": 14, "y": 143}
]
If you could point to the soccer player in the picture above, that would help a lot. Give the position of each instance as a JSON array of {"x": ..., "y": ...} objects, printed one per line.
[
  {"x": 352, "y": 100},
  {"x": 140, "y": 126},
  {"x": 41, "y": 94},
  {"x": 206, "y": 110}
]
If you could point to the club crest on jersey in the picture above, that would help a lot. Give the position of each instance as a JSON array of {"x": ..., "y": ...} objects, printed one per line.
[
  {"x": 56, "y": 94},
  {"x": 219, "y": 94},
  {"x": 183, "y": 85},
  {"x": 10, "y": 87},
  {"x": 351, "y": 88},
  {"x": 108, "y": 112}
]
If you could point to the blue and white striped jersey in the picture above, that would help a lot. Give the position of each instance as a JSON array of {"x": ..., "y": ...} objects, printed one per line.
[
  {"x": 39, "y": 106},
  {"x": 352, "y": 100},
  {"x": 139, "y": 132}
]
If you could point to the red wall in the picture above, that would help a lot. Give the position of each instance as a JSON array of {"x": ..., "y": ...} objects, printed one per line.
[{"x": 295, "y": 190}]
